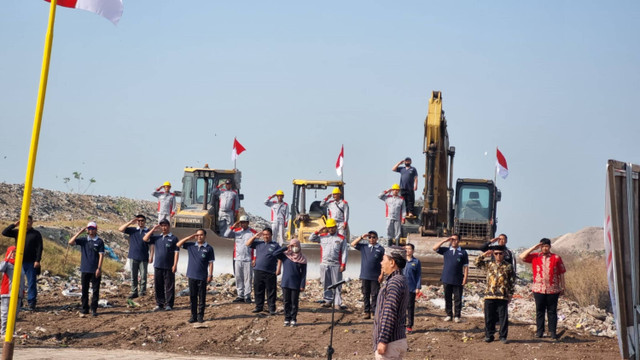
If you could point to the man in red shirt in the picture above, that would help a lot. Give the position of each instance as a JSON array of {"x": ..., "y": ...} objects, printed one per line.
[{"x": 548, "y": 284}]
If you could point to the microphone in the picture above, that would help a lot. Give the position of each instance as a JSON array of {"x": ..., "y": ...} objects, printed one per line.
[{"x": 336, "y": 284}]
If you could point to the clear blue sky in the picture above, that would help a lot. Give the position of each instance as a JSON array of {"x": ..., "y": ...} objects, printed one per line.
[{"x": 554, "y": 84}]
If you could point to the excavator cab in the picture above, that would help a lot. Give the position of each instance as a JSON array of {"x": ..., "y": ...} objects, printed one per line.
[
  {"x": 198, "y": 206},
  {"x": 306, "y": 219},
  {"x": 475, "y": 211}
]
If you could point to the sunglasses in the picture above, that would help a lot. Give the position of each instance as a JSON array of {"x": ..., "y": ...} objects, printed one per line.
[{"x": 498, "y": 253}]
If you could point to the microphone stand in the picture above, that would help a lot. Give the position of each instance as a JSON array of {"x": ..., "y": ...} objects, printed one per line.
[
  {"x": 330, "y": 350},
  {"x": 333, "y": 288}
]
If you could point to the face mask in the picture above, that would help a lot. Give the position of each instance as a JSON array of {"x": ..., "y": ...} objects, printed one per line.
[{"x": 295, "y": 249}]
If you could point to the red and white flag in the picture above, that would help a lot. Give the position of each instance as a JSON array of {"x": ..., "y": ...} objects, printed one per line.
[
  {"x": 109, "y": 9},
  {"x": 237, "y": 149},
  {"x": 340, "y": 162},
  {"x": 501, "y": 165}
]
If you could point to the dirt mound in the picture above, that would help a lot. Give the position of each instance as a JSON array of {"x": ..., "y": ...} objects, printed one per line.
[{"x": 588, "y": 239}]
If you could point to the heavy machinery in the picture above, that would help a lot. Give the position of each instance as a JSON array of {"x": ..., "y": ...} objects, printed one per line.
[
  {"x": 469, "y": 211},
  {"x": 307, "y": 216},
  {"x": 198, "y": 207},
  {"x": 306, "y": 220}
]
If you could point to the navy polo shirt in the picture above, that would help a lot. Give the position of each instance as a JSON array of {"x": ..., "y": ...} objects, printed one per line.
[
  {"x": 90, "y": 250},
  {"x": 413, "y": 273},
  {"x": 164, "y": 250},
  {"x": 454, "y": 262},
  {"x": 199, "y": 259},
  {"x": 138, "y": 248},
  {"x": 266, "y": 259},
  {"x": 407, "y": 177},
  {"x": 294, "y": 275},
  {"x": 370, "y": 259}
]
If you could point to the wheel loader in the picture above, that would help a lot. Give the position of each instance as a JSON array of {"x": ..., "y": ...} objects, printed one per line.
[
  {"x": 198, "y": 208},
  {"x": 469, "y": 210}
]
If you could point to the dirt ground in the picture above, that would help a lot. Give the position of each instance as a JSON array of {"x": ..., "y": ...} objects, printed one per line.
[{"x": 231, "y": 330}]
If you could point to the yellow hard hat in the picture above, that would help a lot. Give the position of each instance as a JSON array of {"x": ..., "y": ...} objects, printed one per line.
[
  {"x": 166, "y": 183},
  {"x": 279, "y": 192},
  {"x": 330, "y": 223},
  {"x": 395, "y": 187},
  {"x": 336, "y": 191}
]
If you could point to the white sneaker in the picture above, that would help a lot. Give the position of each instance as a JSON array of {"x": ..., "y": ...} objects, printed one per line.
[
  {"x": 286, "y": 323},
  {"x": 292, "y": 323},
  {"x": 448, "y": 318},
  {"x": 456, "y": 320}
]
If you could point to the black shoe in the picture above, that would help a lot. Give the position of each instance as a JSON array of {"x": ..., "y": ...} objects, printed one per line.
[
  {"x": 488, "y": 339},
  {"x": 132, "y": 296},
  {"x": 504, "y": 340},
  {"x": 94, "y": 313},
  {"x": 271, "y": 312},
  {"x": 85, "y": 311},
  {"x": 32, "y": 307},
  {"x": 191, "y": 320},
  {"x": 238, "y": 300},
  {"x": 554, "y": 337},
  {"x": 256, "y": 310},
  {"x": 247, "y": 300},
  {"x": 343, "y": 307},
  {"x": 538, "y": 336},
  {"x": 367, "y": 316},
  {"x": 200, "y": 319},
  {"x": 326, "y": 304}
]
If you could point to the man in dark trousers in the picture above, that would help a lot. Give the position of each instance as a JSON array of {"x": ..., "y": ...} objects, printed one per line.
[
  {"x": 408, "y": 183},
  {"x": 199, "y": 272},
  {"x": 138, "y": 254},
  {"x": 165, "y": 265},
  {"x": 31, "y": 258},
  {"x": 92, "y": 254},
  {"x": 371, "y": 254},
  {"x": 454, "y": 274},
  {"x": 264, "y": 272},
  {"x": 498, "y": 293}
]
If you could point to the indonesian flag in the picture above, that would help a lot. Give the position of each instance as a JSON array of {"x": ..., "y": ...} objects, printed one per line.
[
  {"x": 501, "y": 165},
  {"x": 237, "y": 149},
  {"x": 109, "y": 9},
  {"x": 340, "y": 162}
]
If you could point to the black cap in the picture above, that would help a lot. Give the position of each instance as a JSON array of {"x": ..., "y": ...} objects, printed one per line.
[
  {"x": 498, "y": 248},
  {"x": 407, "y": 159},
  {"x": 141, "y": 216},
  {"x": 545, "y": 241},
  {"x": 164, "y": 221},
  {"x": 373, "y": 232}
]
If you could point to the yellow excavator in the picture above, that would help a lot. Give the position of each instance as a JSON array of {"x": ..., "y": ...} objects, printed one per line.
[{"x": 469, "y": 211}]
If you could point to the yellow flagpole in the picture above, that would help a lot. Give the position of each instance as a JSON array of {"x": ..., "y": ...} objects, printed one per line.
[{"x": 7, "y": 348}]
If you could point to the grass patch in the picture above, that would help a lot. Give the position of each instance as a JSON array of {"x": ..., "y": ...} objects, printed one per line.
[{"x": 586, "y": 280}]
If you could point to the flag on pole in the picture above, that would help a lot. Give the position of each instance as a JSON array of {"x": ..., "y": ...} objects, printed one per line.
[
  {"x": 501, "y": 165},
  {"x": 237, "y": 149},
  {"x": 340, "y": 161},
  {"x": 109, "y": 9}
]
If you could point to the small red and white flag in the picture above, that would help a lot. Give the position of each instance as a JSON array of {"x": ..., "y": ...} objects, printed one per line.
[
  {"x": 340, "y": 162},
  {"x": 237, "y": 149},
  {"x": 501, "y": 165},
  {"x": 109, "y": 9}
]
